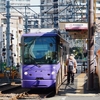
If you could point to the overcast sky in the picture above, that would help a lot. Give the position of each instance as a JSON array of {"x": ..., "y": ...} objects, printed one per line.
[{"x": 36, "y": 2}]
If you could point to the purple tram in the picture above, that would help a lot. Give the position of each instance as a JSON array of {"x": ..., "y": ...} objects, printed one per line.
[{"x": 43, "y": 60}]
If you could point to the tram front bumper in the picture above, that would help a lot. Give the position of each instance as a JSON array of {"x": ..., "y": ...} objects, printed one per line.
[{"x": 38, "y": 83}]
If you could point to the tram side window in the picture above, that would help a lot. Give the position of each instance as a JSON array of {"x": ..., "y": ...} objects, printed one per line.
[{"x": 59, "y": 51}]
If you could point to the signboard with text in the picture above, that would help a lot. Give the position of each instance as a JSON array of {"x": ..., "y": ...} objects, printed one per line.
[
  {"x": 76, "y": 26},
  {"x": 76, "y": 30}
]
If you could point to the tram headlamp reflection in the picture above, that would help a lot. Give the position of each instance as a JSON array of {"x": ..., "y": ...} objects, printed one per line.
[{"x": 25, "y": 73}]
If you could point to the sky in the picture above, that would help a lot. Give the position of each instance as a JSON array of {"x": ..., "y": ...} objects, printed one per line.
[{"x": 35, "y": 2}]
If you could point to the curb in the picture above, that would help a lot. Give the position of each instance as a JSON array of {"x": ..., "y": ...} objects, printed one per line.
[{"x": 69, "y": 94}]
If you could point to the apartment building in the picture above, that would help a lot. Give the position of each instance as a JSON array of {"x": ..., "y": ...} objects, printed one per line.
[
  {"x": 19, "y": 7},
  {"x": 16, "y": 30},
  {"x": 15, "y": 3},
  {"x": 49, "y": 13},
  {"x": 67, "y": 11},
  {"x": 2, "y": 6}
]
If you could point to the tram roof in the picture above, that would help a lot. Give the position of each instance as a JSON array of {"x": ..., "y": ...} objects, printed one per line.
[
  {"x": 41, "y": 34},
  {"x": 44, "y": 34}
]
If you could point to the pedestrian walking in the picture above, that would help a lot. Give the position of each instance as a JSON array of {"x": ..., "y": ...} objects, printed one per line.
[{"x": 71, "y": 64}]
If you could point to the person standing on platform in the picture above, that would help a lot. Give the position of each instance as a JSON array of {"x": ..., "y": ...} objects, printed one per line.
[{"x": 71, "y": 64}]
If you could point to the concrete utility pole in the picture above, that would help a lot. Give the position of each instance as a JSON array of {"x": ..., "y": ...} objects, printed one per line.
[
  {"x": 90, "y": 84},
  {"x": 8, "y": 35},
  {"x": 55, "y": 14}
]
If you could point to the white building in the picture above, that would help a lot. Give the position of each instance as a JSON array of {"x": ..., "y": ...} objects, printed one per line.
[
  {"x": 2, "y": 6},
  {"x": 16, "y": 29},
  {"x": 15, "y": 3}
]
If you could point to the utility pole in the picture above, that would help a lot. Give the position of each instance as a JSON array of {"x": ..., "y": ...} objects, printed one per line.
[
  {"x": 90, "y": 83},
  {"x": 26, "y": 20},
  {"x": 55, "y": 14},
  {"x": 8, "y": 36},
  {"x": 26, "y": 26}
]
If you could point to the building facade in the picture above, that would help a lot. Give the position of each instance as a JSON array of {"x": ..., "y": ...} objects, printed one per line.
[
  {"x": 15, "y": 3},
  {"x": 55, "y": 11},
  {"x": 19, "y": 7},
  {"x": 16, "y": 30}
]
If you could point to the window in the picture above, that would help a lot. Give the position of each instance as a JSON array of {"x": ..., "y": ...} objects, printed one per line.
[
  {"x": 98, "y": 2},
  {"x": 48, "y": 1},
  {"x": 42, "y": 8},
  {"x": 40, "y": 50},
  {"x": 55, "y": 0},
  {"x": 98, "y": 18},
  {"x": 4, "y": 21}
]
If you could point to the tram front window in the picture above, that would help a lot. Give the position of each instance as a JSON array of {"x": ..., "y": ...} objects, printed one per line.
[{"x": 40, "y": 50}]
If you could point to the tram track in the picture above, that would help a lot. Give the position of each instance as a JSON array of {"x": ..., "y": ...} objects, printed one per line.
[
  {"x": 34, "y": 96},
  {"x": 16, "y": 92}
]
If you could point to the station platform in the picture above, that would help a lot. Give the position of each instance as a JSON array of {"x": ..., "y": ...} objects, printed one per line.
[{"x": 79, "y": 87}]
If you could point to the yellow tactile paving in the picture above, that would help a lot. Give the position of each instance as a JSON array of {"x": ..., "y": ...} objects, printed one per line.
[
  {"x": 82, "y": 75},
  {"x": 80, "y": 83}
]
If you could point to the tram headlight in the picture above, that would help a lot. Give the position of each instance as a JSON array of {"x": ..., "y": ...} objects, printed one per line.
[
  {"x": 53, "y": 72},
  {"x": 25, "y": 73},
  {"x": 54, "y": 67}
]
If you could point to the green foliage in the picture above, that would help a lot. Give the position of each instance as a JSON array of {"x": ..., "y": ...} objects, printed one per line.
[{"x": 77, "y": 51}]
